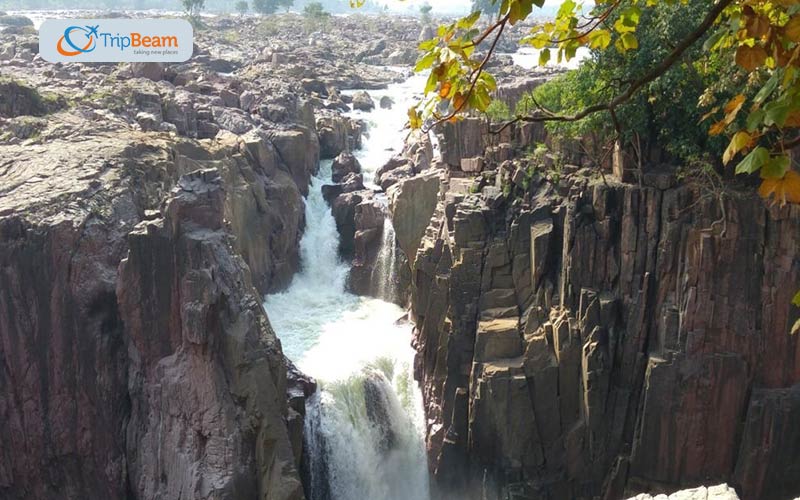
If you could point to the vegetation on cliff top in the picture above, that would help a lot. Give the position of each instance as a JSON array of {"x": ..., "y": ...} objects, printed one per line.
[{"x": 741, "y": 56}]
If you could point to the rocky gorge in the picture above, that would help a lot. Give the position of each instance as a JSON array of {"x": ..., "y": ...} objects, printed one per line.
[
  {"x": 146, "y": 209},
  {"x": 567, "y": 334},
  {"x": 579, "y": 337}
]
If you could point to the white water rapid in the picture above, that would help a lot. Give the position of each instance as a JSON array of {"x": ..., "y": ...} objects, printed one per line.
[{"x": 364, "y": 427}]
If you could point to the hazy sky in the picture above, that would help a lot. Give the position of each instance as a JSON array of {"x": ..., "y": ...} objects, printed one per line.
[{"x": 443, "y": 6}]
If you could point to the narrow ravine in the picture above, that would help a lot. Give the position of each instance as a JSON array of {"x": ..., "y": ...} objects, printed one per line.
[{"x": 364, "y": 435}]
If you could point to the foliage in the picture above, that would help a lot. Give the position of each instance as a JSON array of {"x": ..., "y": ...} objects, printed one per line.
[
  {"x": 425, "y": 12},
  {"x": 193, "y": 7},
  {"x": 488, "y": 7},
  {"x": 758, "y": 110},
  {"x": 498, "y": 111},
  {"x": 315, "y": 10},
  {"x": 242, "y": 7},
  {"x": 271, "y": 6}
]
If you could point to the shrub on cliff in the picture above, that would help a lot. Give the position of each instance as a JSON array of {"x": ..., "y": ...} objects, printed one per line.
[{"x": 739, "y": 56}]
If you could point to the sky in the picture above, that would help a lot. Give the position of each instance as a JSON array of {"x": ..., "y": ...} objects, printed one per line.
[{"x": 443, "y": 6}]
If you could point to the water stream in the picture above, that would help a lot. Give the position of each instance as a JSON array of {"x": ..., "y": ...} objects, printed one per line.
[{"x": 364, "y": 428}]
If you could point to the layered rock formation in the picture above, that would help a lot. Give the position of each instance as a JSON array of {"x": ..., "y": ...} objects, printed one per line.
[
  {"x": 159, "y": 377},
  {"x": 206, "y": 378},
  {"x": 95, "y": 358},
  {"x": 594, "y": 338}
]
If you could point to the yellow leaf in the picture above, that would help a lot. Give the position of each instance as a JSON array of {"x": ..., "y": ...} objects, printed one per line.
[
  {"x": 414, "y": 119},
  {"x": 785, "y": 190},
  {"x": 734, "y": 104},
  {"x": 445, "y": 90},
  {"x": 732, "y": 108},
  {"x": 458, "y": 101},
  {"x": 750, "y": 58},
  {"x": 717, "y": 128},
  {"x": 739, "y": 141}
]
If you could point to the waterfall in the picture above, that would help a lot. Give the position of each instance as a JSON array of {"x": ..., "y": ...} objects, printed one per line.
[
  {"x": 385, "y": 273},
  {"x": 319, "y": 287},
  {"x": 362, "y": 442},
  {"x": 364, "y": 429}
]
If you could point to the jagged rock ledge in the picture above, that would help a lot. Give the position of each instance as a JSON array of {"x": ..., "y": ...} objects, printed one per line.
[{"x": 579, "y": 337}]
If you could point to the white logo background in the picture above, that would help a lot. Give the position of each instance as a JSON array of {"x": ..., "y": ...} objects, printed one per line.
[{"x": 107, "y": 44}]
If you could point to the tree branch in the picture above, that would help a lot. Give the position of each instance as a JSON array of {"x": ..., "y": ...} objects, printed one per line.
[{"x": 654, "y": 73}]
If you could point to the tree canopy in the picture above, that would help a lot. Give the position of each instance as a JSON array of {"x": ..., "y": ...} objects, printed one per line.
[{"x": 755, "y": 42}]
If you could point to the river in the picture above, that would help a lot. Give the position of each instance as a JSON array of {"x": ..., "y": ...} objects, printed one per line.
[{"x": 365, "y": 426}]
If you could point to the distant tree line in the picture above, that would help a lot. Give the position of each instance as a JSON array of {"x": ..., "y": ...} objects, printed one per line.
[{"x": 195, "y": 6}]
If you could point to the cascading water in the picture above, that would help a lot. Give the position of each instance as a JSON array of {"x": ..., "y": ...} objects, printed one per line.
[
  {"x": 364, "y": 428},
  {"x": 385, "y": 273}
]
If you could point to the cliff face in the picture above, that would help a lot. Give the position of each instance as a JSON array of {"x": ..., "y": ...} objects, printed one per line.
[
  {"x": 160, "y": 378},
  {"x": 596, "y": 338},
  {"x": 207, "y": 379}
]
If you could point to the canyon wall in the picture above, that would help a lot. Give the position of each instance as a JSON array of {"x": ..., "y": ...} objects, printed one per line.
[
  {"x": 579, "y": 337},
  {"x": 136, "y": 360}
]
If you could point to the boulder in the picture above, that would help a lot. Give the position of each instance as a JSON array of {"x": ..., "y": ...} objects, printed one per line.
[
  {"x": 412, "y": 203},
  {"x": 150, "y": 70},
  {"x": 297, "y": 154},
  {"x": 497, "y": 339},
  {"x": 362, "y": 101},
  {"x": 345, "y": 163},
  {"x": 719, "y": 492},
  {"x": 16, "y": 21},
  {"x": 178, "y": 374},
  {"x": 343, "y": 209},
  {"x": 472, "y": 165},
  {"x": 386, "y": 102},
  {"x": 18, "y": 99},
  {"x": 337, "y": 134}
]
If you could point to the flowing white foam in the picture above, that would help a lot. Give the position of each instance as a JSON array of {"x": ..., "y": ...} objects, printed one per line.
[
  {"x": 385, "y": 272},
  {"x": 364, "y": 429},
  {"x": 386, "y": 128}
]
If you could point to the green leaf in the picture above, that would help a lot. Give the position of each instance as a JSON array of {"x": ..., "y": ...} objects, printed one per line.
[
  {"x": 777, "y": 111},
  {"x": 599, "y": 39},
  {"x": 776, "y": 167},
  {"x": 544, "y": 57},
  {"x": 713, "y": 40},
  {"x": 468, "y": 22},
  {"x": 432, "y": 82},
  {"x": 428, "y": 44},
  {"x": 425, "y": 62},
  {"x": 489, "y": 80},
  {"x": 739, "y": 141},
  {"x": 768, "y": 88},
  {"x": 629, "y": 41},
  {"x": 796, "y": 299},
  {"x": 754, "y": 119},
  {"x": 754, "y": 161},
  {"x": 567, "y": 8}
]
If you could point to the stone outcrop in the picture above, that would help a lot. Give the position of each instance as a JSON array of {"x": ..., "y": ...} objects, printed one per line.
[
  {"x": 583, "y": 338},
  {"x": 344, "y": 165},
  {"x": 363, "y": 102},
  {"x": 207, "y": 379},
  {"x": 337, "y": 134},
  {"x": 412, "y": 203},
  {"x": 720, "y": 492},
  {"x": 161, "y": 377},
  {"x": 81, "y": 391}
]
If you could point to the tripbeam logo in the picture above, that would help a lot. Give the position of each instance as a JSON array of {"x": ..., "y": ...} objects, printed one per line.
[
  {"x": 116, "y": 40},
  {"x": 74, "y": 49}
]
